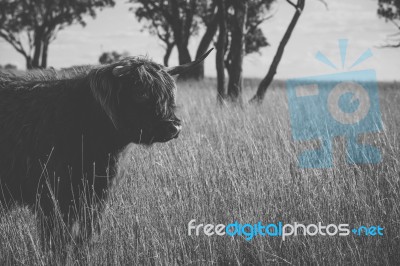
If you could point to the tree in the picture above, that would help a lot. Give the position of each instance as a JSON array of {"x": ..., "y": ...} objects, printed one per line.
[
  {"x": 242, "y": 36},
  {"x": 30, "y": 25},
  {"x": 221, "y": 45},
  {"x": 175, "y": 21},
  {"x": 156, "y": 24},
  {"x": 262, "y": 88},
  {"x": 180, "y": 17},
  {"x": 161, "y": 15},
  {"x": 111, "y": 57},
  {"x": 237, "y": 47},
  {"x": 390, "y": 11},
  {"x": 208, "y": 12}
]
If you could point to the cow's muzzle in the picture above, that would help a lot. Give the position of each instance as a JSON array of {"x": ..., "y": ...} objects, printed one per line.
[{"x": 167, "y": 130}]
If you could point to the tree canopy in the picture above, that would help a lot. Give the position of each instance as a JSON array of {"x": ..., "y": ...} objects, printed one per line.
[
  {"x": 390, "y": 10},
  {"x": 174, "y": 22},
  {"x": 240, "y": 34}
]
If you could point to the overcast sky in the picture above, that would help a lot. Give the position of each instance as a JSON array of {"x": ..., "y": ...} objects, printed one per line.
[{"x": 318, "y": 30}]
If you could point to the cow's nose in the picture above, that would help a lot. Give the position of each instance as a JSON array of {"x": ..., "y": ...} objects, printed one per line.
[{"x": 177, "y": 128}]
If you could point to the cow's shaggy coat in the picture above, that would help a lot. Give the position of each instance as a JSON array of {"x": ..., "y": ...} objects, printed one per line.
[{"x": 60, "y": 133}]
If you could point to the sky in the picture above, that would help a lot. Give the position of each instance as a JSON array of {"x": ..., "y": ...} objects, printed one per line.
[{"x": 318, "y": 30}]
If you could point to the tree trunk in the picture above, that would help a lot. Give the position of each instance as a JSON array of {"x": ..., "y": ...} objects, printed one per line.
[
  {"x": 262, "y": 88},
  {"x": 184, "y": 57},
  {"x": 36, "y": 55},
  {"x": 38, "y": 48},
  {"x": 198, "y": 72},
  {"x": 167, "y": 55},
  {"x": 45, "y": 49},
  {"x": 183, "y": 54},
  {"x": 220, "y": 56},
  {"x": 237, "y": 51},
  {"x": 181, "y": 29},
  {"x": 28, "y": 60}
]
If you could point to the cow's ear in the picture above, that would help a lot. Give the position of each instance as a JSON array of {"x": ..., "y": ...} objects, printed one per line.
[
  {"x": 123, "y": 70},
  {"x": 105, "y": 89},
  {"x": 120, "y": 71}
]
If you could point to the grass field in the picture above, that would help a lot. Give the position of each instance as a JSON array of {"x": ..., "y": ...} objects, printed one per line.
[{"x": 235, "y": 164}]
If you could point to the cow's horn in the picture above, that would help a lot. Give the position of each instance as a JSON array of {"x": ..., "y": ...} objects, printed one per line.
[{"x": 177, "y": 70}]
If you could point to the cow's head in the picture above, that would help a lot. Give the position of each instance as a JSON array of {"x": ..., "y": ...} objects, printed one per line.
[{"x": 138, "y": 96}]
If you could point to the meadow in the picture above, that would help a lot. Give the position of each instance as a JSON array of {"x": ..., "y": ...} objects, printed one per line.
[{"x": 231, "y": 164}]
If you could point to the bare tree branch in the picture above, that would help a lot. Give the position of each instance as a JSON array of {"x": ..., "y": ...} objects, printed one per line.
[
  {"x": 258, "y": 23},
  {"x": 291, "y": 3},
  {"x": 325, "y": 4},
  {"x": 395, "y": 23},
  {"x": 390, "y": 45},
  {"x": 263, "y": 86},
  {"x": 16, "y": 44}
]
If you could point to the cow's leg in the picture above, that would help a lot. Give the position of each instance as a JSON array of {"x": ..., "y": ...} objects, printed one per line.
[
  {"x": 91, "y": 205},
  {"x": 50, "y": 200},
  {"x": 94, "y": 187}
]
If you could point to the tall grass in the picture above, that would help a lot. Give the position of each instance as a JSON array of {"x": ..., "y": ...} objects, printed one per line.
[{"x": 234, "y": 164}]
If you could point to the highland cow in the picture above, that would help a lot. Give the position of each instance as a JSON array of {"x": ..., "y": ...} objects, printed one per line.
[{"x": 60, "y": 133}]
